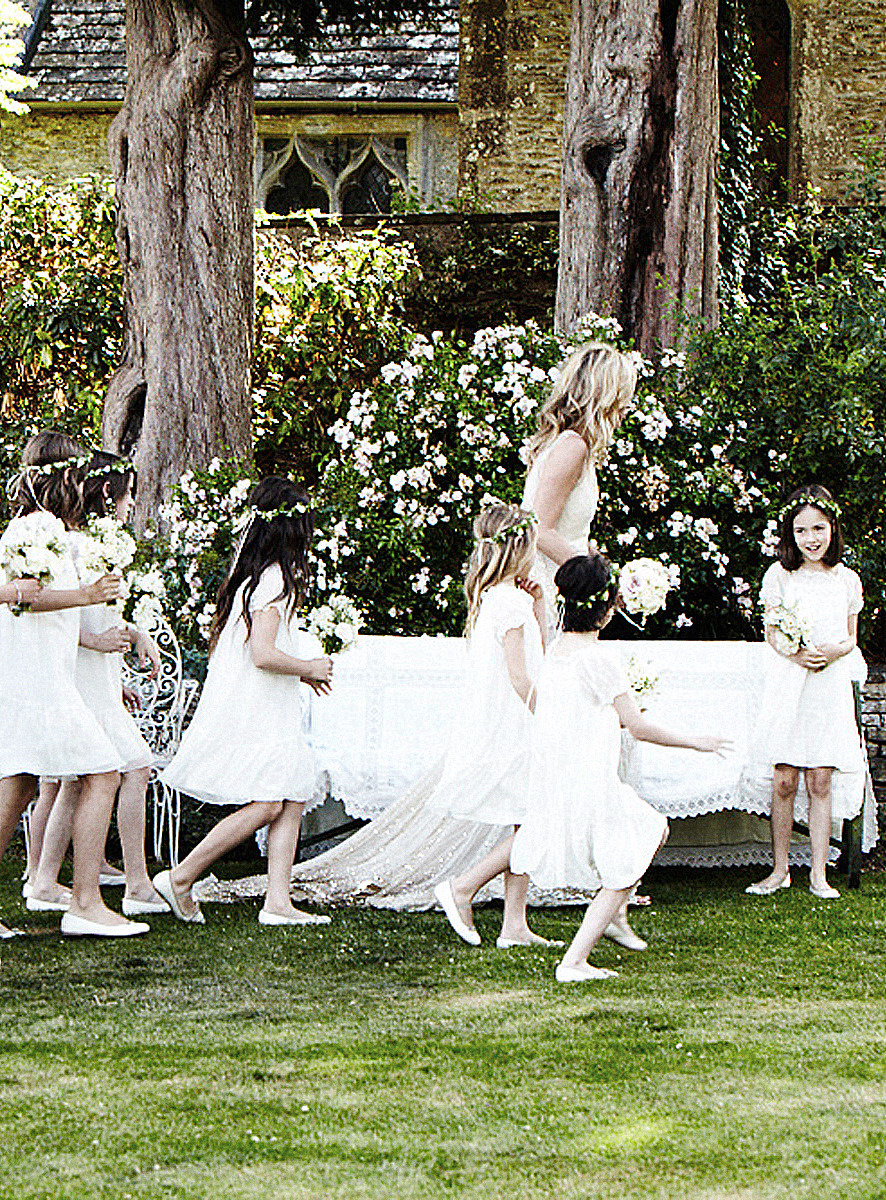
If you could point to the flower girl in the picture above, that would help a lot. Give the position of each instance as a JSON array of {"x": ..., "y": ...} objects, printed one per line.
[
  {"x": 807, "y": 719},
  {"x": 484, "y": 773},
  {"x": 45, "y": 727},
  {"x": 107, "y": 491},
  {"x": 244, "y": 747},
  {"x": 583, "y": 826}
]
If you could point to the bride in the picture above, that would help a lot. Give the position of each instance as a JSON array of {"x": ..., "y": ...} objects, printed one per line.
[{"x": 395, "y": 860}]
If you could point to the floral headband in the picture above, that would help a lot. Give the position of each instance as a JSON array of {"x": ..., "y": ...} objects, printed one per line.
[
  {"x": 122, "y": 467},
  {"x": 603, "y": 594},
  {"x": 522, "y": 525},
  {"x": 250, "y": 514},
  {"x": 830, "y": 507}
]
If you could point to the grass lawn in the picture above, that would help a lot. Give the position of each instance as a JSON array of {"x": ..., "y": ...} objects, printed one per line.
[{"x": 742, "y": 1056}]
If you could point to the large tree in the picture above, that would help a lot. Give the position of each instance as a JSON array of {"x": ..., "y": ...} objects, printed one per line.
[
  {"x": 182, "y": 149},
  {"x": 638, "y": 208}
]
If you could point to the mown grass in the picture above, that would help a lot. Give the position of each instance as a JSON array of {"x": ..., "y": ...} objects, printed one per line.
[{"x": 742, "y": 1056}]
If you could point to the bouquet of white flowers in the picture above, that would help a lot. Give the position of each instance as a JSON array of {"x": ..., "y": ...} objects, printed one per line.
[
  {"x": 335, "y": 623},
  {"x": 33, "y": 547},
  {"x": 642, "y": 677},
  {"x": 793, "y": 627},
  {"x": 146, "y": 594},
  {"x": 644, "y": 584},
  {"x": 105, "y": 549}
]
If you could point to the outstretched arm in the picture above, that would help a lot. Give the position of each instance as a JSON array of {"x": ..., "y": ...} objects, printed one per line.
[
  {"x": 646, "y": 731},
  {"x": 103, "y": 591}
]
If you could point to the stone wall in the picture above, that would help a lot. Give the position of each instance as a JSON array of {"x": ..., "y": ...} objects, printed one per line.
[
  {"x": 873, "y": 715},
  {"x": 511, "y": 88},
  {"x": 838, "y": 90},
  {"x": 56, "y": 145}
]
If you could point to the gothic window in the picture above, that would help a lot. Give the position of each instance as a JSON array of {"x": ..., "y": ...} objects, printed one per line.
[{"x": 338, "y": 175}]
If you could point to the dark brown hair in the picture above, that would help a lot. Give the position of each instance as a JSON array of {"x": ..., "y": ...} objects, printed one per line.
[
  {"x": 106, "y": 478},
  {"x": 59, "y": 491},
  {"x": 589, "y": 589},
  {"x": 280, "y": 537},
  {"x": 805, "y": 497}
]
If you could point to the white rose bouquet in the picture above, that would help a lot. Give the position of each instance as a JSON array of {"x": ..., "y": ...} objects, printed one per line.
[
  {"x": 642, "y": 677},
  {"x": 793, "y": 627},
  {"x": 33, "y": 547},
  {"x": 105, "y": 549},
  {"x": 146, "y": 595},
  {"x": 335, "y": 623},
  {"x": 644, "y": 584}
]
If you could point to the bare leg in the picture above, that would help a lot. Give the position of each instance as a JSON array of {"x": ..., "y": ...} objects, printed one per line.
[
  {"x": 56, "y": 840},
  {"x": 465, "y": 887},
  {"x": 785, "y": 781},
  {"x": 599, "y": 914},
  {"x": 131, "y": 825},
  {"x": 818, "y": 786},
  {"x": 228, "y": 833},
  {"x": 16, "y": 793},
  {"x": 282, "y": 841},
  {"x": 47, "y": 791},
  {"x": 92, "y": 816}
]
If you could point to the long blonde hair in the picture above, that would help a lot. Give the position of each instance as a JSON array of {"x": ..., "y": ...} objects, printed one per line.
[
  {"x": 595, "y": 385},
  {"x": 505, "y": 540}
]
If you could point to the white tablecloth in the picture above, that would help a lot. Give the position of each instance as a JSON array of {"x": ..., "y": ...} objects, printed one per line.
[{"x": 388, "y": 718}]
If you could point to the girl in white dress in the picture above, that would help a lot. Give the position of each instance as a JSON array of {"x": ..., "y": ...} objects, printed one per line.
[
  {"x": 593, "y": 394},
  {"x": 484, "y": 772},
  {"x": 107, "y": 490},
  {"x": 45, "y": 727},
  {"x": 584, "y": 828},
  {"x": 244, "y": 747},
  {"x": 807, "y": 717}
]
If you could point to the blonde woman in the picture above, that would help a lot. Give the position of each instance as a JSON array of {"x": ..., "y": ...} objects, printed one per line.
[
  {"x": 484, "y": 773},
  {"x": 593, "y": 394}
]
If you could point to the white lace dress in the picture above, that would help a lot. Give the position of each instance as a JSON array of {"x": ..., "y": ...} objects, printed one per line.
[
  {"x": 45, "y": 726},
  {"x": 583, "y": 826},
  {"x": 807, "y": 718},
  {"x": 245, "y": 742},
  {"x": 484, "y": 772},
  {"x": 99, "y": 680},
  {"x": 574, "y": 523}
]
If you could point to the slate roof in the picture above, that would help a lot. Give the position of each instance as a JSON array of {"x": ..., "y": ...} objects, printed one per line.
[{"x": 79, "y": 57}]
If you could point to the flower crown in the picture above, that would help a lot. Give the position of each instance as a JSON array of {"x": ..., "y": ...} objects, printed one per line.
[
  {"x": 602, "y": 594},
  {"x": 250, "y": 514},
  {"x": 63, "y": 464},
  {"x": 123, "y": 466},
  {"x": 830, "y": 507},
  {"x": 521, "y": 525}
]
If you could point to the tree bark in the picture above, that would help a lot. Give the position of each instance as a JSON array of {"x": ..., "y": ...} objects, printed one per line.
[
  {"x": 181, "y": 150},
  {"x": 638, "y": 203}
]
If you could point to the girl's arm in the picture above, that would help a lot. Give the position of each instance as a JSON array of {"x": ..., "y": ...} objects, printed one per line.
[
  {"x": 20, "y": 591},
  {"x": 809, "y": 657},
  {"x": 645, "y": 731},
  {"x": 119, "y": 639},
  {"x": 562, "y": 471},
  {"x": 831, "y": 651},
  {"x": 533, "y": 588},
  {"x": 266, "y": 656},
  {"x": 515, "y": 659},
  {"x": 103, "y": 591}
]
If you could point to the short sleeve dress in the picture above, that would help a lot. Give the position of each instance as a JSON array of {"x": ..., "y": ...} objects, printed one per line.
[
  {"x": 807, "y": 718},
  {"x": 574, "y": 523},
  {"x": 583, "y": 827},
  {"x": 98, "y": 676},
  {"x": 245, "y": 742},
  {"x": 45, "y": 726},
  {"x": 484, "y": 773}
]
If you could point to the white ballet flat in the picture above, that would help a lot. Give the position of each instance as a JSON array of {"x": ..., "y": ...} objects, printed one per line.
[
  {"x": 7, "y": 935},
  {"x": 767, "y": 889},
  {"x": 133, "y": 907},
  {"x": 112, "y": 880},
  {"x": 624, "y": 937},
  {"x": 163, "y": 884},
  {"x": 504, "y": 943},
  {"x": 584, "y": 974},
  {"x": 35, "y": 904},
  {"x": 73, "y": 926},
  {"x": 444, "y": 897},
  {"x": 269, "y": 918},
  {"x": 27, "y": 889},
  {"x": 824, "y": 891}
]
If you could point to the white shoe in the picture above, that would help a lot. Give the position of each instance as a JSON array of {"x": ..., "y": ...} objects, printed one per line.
[
  {"x": 133, "y": 907},
  {"x": 582, "y": 974},
  {"x": 27, "y": 889},
  {"x": 624, "y": 937},
  {"x": 269, "y": 918},
  {"x": 766, "y": 889},
  {"x": 444, "y": 897},
  {"x": 504, "y": 943},
  {"x": 112, "y": 880},
  {"x": 73, "y": 926},
  {"x": 824, "y": 891},
  {"x": 163, "y": 884},
  {"x": 35, "y": 904}
]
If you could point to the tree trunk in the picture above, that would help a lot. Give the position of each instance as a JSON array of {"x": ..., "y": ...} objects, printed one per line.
[
  {"x": 638, "y": 205},
  {"x": 181, "y": 149}
]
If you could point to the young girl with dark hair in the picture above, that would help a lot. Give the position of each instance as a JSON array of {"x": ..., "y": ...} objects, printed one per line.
[
  {"x": 807, "y": 716},
  {"x": 108, "y": 487},
  {"x": 244, "y": 747},
  {"x": 45, "y": 727},
  {"x": 585, "y": 828}
]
